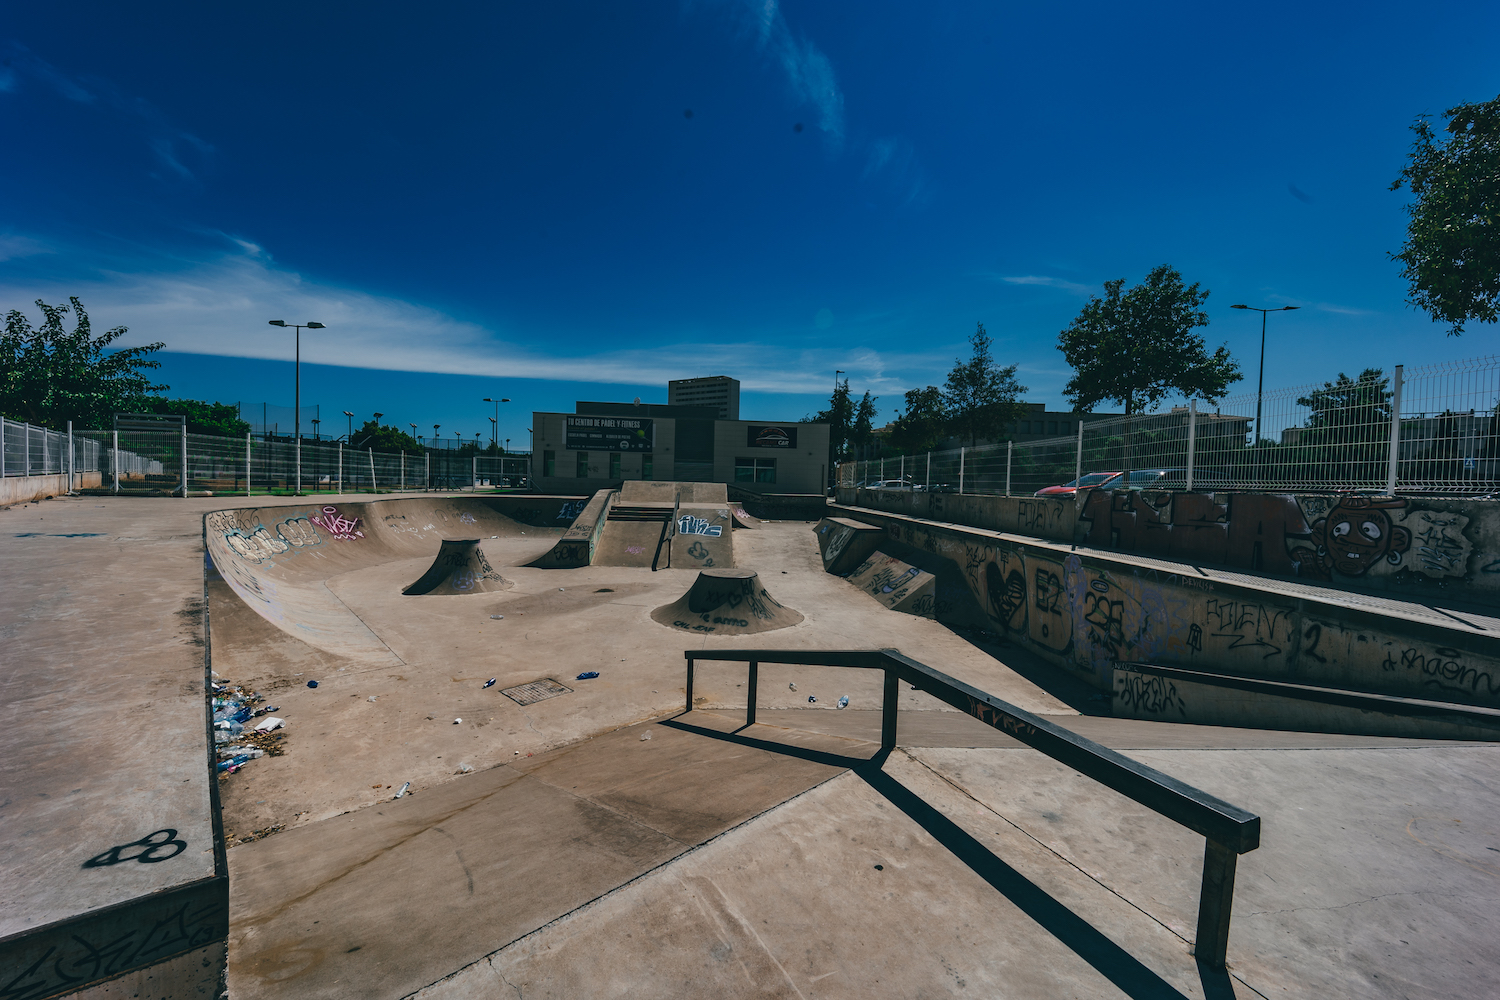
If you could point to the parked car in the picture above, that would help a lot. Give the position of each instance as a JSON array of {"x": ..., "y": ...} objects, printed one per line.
[
  {"x": 1093, "y": 480},
  {"x": 889, "y": 484},
  {"x": 1140, "y": 479}
]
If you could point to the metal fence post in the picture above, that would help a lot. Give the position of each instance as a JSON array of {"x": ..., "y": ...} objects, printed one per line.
[
  {"x": 960, "y": 470},
  {"x": 114, "y": 463},
  {"x": 1211, "y": 942},
  {"x": 1390, "y": 473},
  {"x": 72, "y": 463},
  {"x": 27, "y": 466},
  {"x": 1078, "y": 462},
  {"x": 247, "y": 463},
  {"x": 1192, "y": 440},
  {"x": 341, "y": 468},
  {"x": 474, "y": 471},
  {"x": 2, "y": 447},
  {"x": 403, "y": 470},
  {"x": 903, "y": 470},
  {"x": 46, "y": 465},
  {"x": 929, "y": 470},
  {"x": 752, "y": 691},
  {"x": 372, "y": 468},
  {"x": 184, "y": 460},
  {"x": 426, "y": 471},
  {"x": 1010, "y": 447},
  {"x": 888, "y": 704}
]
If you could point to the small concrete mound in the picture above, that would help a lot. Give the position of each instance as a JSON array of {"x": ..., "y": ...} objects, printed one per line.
[
  {"x": 726, "y": 602},
  {"x": 460, "y": 568}
]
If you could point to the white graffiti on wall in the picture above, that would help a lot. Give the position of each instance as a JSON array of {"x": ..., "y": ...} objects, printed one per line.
[
  {"x": 1438, "y": 546},
  {"x": 337, "y": 525},
  {"x": 687, "y": 524}
]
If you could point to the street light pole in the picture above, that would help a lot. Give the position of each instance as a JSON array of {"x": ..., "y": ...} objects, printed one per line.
[
  {"x": 496, "y": 420},
  {"x": 1260, "y": 381},
  {"x": 349, "y": 437},
  {"x": 297, "y": 393}
]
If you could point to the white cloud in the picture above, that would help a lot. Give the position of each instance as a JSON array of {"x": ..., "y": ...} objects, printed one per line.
[
  {"x": 1045, "y": 281},
  {"x": 809, "y": 73},
  {"x": 221, "y": 306},
  {"x": 13, "y": 247}
]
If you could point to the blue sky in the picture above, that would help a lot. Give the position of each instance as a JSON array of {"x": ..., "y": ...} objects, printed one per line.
[{"x": 505, "y": 198}]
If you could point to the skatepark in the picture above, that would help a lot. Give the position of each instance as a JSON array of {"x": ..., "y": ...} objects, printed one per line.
[{"x": 501, "y": 774}]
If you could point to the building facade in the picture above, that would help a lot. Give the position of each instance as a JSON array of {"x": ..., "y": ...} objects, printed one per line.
[
  {"x": 718, "y": 392},
  {"x": 601, "y": 445}
]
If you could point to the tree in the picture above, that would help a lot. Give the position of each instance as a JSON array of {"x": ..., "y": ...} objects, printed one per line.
[
  {"x": 1347, "y": 434},
  {"x": 384, "y": 438},
  {"x": 1451, "y": 258},
  {"x": 202, "y": 418},
  {"x": 981, "y": 396},
  {"x": 49, "y": 376},
  {"x": 923, "y": 424},
  {"x": 863, "y": 431},
  {"x": 840, "y": 419},
  {"x": 1136, "y": 348}
]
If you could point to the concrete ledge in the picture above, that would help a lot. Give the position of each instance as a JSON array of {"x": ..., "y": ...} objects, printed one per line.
[
  {"x": 21, "y": 489},
  {"x": 1170, "y": 694}
]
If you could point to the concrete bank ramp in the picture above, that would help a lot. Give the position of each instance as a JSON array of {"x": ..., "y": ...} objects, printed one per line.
[
  {"x": 845, "y": 543},
  {"x": 576, "y": 546},
  {"x": 727, "y": 602},
  {"x": 898, "y": 585},
  {"x": 460, "y": 568}
]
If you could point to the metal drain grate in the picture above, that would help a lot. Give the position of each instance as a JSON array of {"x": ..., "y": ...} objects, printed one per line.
[{"x": 534, "y": 691}]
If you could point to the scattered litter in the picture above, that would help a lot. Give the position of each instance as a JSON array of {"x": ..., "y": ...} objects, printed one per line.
[
  {"x": 457, "y": 721},
  {"x": 371, "y": 698},
  {"x": 490, "y": 682},
  {"x": 880, "y": 868},
  {"x": 312, "y": 684},
  {"x": 463, "y": 768},
  {"x": 844, "y": 702},
  {"x": 402, "y": 791},
  {"x": 645, "y": 736},
  {"x": 588, "y": 675},
  {"x": 496, "y": 618},
  {"x": 494, "y": 536},
  {"x": 783, "y": 572},
  {"x": 812, "y": 699},
  {"x": 560, "y": 588},
  {"x": 792, "y": 686}
]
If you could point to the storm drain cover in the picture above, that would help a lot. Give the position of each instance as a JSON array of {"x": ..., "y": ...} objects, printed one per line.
[{"x": 534, "y": 691}]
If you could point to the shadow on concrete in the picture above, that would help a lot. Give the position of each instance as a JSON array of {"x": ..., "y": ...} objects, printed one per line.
[
  {"x": 1113, "y": 962},
  {"x": 1077, "y": 694}
]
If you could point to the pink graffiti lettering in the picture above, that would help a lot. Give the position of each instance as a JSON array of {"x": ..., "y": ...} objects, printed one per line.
[{"x": 337, "y": 525}]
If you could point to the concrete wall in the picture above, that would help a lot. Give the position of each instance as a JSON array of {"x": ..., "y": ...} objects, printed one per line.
[
  {"x": 20, "y": 489},
  {"x": 1088, "y": 612},
  {"x": 1418, "y": 547},
  {"x": 802, "y": 469}
]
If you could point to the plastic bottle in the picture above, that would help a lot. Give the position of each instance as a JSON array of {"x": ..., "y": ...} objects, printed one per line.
[{"x": 844, "y": 702}]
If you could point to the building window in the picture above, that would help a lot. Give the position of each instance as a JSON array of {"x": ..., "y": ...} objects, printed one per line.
[
  {"x": 1052, "y": 427},
  {"x": 1026, "y": 427},
  {"x": 549, "y": 463},
  {"x": 614, "y": 465},
  {"x": 583, "y": 465},
  {"x": 647, "y": 466},
  {"x": 755, "y": 470}
]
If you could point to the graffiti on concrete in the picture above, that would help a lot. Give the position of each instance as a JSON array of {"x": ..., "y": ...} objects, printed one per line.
[
  {"x": 1250, "y": 625},
  {"x": 570, "y": 509},
  {"x": 1148, "y": 694},
  {"x": 337, "y": 525},
  {"x": 687, "y": 524},
  {"x": 150, "y": 849},
  {"x": 1445, "y": 670},
  {"x": 1325, "y": 538}
]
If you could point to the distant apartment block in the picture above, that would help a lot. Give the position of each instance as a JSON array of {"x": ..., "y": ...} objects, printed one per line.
[{"x": 720, "y": 392}]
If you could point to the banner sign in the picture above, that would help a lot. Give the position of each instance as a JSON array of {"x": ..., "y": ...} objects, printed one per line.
[
  {"x": 771, "y": 437},
  {"x": 610, "y": 434}
]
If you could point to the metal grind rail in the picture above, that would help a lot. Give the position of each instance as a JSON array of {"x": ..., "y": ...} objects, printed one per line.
[{"x": 1228, "y": 830}]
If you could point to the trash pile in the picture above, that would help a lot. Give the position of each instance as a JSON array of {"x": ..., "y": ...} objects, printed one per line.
[{"x": 238, "y": 737}]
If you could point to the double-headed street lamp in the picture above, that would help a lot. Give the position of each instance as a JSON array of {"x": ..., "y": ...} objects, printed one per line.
[
  {"x": 349, "y": 438},
  {"x": 1261, "y": 379},
  {"x": 297, "y": 400},
  {"x": 495, "y": 420}
]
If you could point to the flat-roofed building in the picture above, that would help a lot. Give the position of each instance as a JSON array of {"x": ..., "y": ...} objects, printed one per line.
[{"x": 720, "y": 392}]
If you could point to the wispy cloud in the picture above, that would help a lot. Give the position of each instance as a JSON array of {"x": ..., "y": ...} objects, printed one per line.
[
  {"x": 163, "y": 138},
  {"x": 13, "y": 247},
  {"x": 220, "y": 305},
  {"x": 1045, "y": 281},
  {"x": 809, "y": 73},
  {"x": 1328, "y": 307}
]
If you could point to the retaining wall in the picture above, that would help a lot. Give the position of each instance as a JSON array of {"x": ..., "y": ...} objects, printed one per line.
[{"x": 20, "y": 489}]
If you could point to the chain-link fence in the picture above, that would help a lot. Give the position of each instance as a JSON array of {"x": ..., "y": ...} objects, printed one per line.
[
  {"x": 1434, "y": 429},
  {"x": 154, "y": 462}
]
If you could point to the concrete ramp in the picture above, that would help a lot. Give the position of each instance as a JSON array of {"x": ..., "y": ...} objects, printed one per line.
[
  {"x": 845, "y": 544},
  {"x": 460, "y": 568},
  {"x": 898, "y": 585},
  {"x": 742, "y": 519},
  {"x": 577, "y": 545},
  {"x": 726, "y": 602}
]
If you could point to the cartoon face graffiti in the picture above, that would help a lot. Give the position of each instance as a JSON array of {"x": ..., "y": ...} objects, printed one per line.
[{"x": 1357, "y": 534}]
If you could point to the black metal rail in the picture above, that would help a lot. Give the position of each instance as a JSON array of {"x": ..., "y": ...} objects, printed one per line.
[{"x": 1228, "y": 830}]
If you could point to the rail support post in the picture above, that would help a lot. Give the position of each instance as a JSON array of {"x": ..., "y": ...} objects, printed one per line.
[
  {"x": 888, "y": 710},
  {"x": 689, "y": 707},
  {"x": 1211, "y": 944},
  {"x": 752, "y": 688}
]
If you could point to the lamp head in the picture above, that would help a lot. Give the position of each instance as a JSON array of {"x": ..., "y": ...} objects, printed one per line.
[
  {"x": 348, "y": 413},
  {"x": 314, "y": 326},
  {"x": 1239, "y": 307},
  {"x": 278, "y": 322},
  {"x": 1289, "y": 308}
]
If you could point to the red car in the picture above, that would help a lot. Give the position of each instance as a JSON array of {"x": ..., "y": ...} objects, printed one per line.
[{"x": 1090, "y": 481}]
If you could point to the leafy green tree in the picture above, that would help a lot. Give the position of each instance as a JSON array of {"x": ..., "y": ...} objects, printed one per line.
[
  {"x": 1451, "y": 258},
  {"x": 1135, "y": 348},
  {"x": 202, "y": 418},
  {"x": 863, "y": 432},
  {"x": 382, "y": 437},
  {"x": 49, "y": 375},
  {"x": 924, "y": 423},
  {"x": 1346, "y": 437},
  {"x": 840, "y": 420},
  {"x": 981, "y": 397}
]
